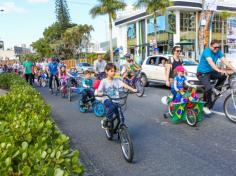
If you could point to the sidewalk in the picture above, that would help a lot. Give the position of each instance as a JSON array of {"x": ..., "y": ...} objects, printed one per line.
[{"x": 2, "y": 92}]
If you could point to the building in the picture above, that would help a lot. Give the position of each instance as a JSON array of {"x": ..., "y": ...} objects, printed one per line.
[
  {"x": 105, "y": 46},
  {"x": 14, "y": 54},
  {"x": 1, "y": 45},
  {"x": 7, "y": 55},
  {"x": 180, "y": 25}
]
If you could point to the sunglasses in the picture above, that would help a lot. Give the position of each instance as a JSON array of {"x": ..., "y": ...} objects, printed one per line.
[
  {"x": 178, "y": 51},
  {"x": 217, "y": 47}
]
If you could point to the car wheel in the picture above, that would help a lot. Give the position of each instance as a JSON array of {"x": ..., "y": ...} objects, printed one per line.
[{"x": 144, "y": 80}]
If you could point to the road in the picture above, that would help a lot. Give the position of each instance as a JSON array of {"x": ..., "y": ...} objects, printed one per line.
[{"x": 160, "y": 147}]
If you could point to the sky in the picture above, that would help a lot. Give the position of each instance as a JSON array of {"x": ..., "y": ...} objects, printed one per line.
[{"x": 24, "y": 21}]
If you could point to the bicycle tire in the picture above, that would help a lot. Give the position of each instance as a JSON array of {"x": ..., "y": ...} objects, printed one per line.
[
  {"x": 43, "y": 83},
  {"x": 99, "y": 109},
  {"x": 225, "y": 109},
  {"x": 126, "y": 144},
  {"x": 140, "y": 88},
  {"x": 54, "y": 86},
  {"x": 69, "y": 94},
  {"x": 191, "y": 117}
]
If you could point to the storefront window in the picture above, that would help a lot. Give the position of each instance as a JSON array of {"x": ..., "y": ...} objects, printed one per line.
[
  {"x": 187, "y": 21},
  {"x": 217, "y": 28},
  {"x": 187, "y": 33}
]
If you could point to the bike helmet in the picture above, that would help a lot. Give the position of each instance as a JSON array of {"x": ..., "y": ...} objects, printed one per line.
[{"x": 180, "y": 68}]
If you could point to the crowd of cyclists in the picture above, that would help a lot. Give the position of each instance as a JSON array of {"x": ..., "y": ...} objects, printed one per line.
[{"x": 106, "y": 73}]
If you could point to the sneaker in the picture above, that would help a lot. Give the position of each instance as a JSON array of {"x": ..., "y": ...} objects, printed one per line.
[
  {"x": 104, "y": 123},
  {"x": 207, "y": 111}
]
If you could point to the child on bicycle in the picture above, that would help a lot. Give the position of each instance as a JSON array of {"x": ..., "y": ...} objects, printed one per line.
[
  {"x": 110, "y": 86},
  {"x": 129, "y": 70},
  {"x": 179, "y": 81},
  {"x": 87, "y": 84}
]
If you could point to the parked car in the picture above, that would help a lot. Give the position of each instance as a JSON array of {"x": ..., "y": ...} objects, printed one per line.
[
  {"x": 155, "y": 72},
  {"x": 81, "y": 67}
]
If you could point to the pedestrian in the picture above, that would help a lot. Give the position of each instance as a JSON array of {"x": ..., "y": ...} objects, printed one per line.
[
  {"x": 174, "y": 62},
  {"x": 28, "y": 68}
]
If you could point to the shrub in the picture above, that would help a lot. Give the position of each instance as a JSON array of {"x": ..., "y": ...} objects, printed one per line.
[{"x": 30, "y": 144}]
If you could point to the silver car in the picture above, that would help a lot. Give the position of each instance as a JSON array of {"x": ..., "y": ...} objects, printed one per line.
[{"x": 81, "y": 67}]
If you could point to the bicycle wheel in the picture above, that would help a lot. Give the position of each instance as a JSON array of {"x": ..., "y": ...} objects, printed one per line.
[
  {"x": 43, "y": 83},
  {"x": 230, "y": 107},
  {"x": 191, "y": 117},
  {"x": 140, "y": 88},
  {"x": 126, "y": 144},
  {"x": 99, "y": 109},
  {"x": 69, "y": 94},
  {"x": 54, "y": 86}
]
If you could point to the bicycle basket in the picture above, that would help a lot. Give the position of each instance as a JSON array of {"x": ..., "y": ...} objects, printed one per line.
[
  {"x": 121, "y": 101},
  {"x": 232, "y": 81}
]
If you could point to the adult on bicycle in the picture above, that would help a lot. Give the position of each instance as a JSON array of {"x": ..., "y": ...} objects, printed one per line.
[
  {"x": 99, "y": 66},
  {"x": 173, "y": 62},
  {"x": 53, "y": 70},
  {"x": 207, "y": 71}
]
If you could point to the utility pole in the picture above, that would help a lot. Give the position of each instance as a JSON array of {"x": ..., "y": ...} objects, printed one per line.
[{"x": 202, "y": 23}]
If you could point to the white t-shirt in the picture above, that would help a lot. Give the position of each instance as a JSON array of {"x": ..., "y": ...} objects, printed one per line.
[
  {"x": 99, "y": 66},
  {"x": 110, "y": 88}
]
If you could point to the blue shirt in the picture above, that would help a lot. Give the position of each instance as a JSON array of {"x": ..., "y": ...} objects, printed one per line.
[
  {"x": 180, "y": 82},
  {"x": 87, "y": 83},
  {"x": 204, "y": 66},
  {"x": 53, "y": 68}
]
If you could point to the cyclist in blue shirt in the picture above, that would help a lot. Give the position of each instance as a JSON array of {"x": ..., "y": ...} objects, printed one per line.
[
  {"x": 53, "y": 70},
  {"x": 207, "y": 70}
]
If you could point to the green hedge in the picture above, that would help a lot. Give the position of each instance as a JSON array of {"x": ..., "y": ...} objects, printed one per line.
[{"x": 30, "y": 144}]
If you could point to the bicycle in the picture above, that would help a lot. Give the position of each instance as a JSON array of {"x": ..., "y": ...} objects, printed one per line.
[
  {"x": 189, "y": 109},
  {"x": 98, "y": 107},
  {"x": 117, "y": 126},
  {"x": 63, "y": 88},
  {"x": 136, "y": 83},
  {"x": 100, "y": 75},
  {"x": 74, "y": 85},
  {"x": 228, "y": 90},
  {"x": 43, "y": 80}
]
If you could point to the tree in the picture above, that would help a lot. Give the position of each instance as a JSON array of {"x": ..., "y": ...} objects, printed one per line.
[
  {"x": 41, "y": 46},
  {"x": 62, "y": 14},
  {"x": 154, "y": 7},
  {"x": 108, "y": 7},
  {"x": 76, "y": 36}
]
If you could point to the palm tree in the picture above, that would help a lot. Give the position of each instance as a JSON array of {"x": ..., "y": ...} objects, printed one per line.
[
  {"x": 108, "y": 7},
  {"x": 154, "y": 7}
]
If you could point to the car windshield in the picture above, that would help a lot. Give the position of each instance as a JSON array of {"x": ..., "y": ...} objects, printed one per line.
[
  {"x": 85, "y": 65},
  {"x": 189, "y": 62}
]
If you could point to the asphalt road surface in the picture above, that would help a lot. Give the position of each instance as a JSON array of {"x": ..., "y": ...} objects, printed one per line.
[{"x": 160, "y": 147}]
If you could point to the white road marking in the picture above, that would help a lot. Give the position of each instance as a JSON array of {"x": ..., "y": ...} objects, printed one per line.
[{"x": 219, "y": 113}]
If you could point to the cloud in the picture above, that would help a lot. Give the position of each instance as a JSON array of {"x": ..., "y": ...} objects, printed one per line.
[
  {"x": 38, "y": 1},
  {"x": 11, "y": 7}
]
